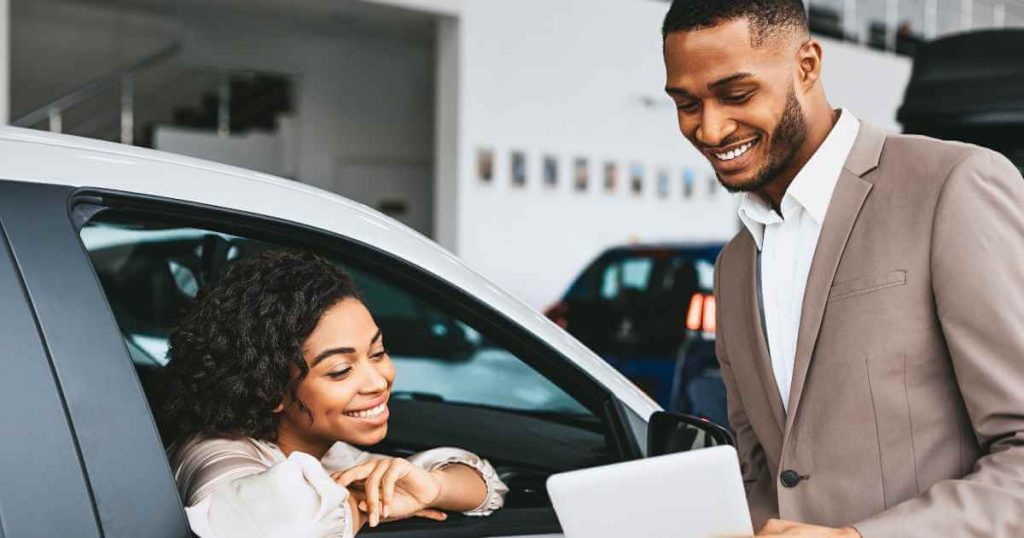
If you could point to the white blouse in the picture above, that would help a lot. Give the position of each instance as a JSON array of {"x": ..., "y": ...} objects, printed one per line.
[{"x": 247, "y": 488}]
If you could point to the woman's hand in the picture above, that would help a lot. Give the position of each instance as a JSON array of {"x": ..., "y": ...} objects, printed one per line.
[{"x": 393, "y": 489}]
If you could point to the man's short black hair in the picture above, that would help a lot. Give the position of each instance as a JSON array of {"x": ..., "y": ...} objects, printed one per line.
[{"x": 767, "y": 18}]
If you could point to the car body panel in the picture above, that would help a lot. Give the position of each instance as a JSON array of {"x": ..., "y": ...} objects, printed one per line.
[
  {"x": 37, "y": 157},
  {"x": 36, "y": 463},
  {"x": 119, "y": 446}
]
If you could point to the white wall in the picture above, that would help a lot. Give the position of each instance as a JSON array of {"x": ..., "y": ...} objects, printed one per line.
[
  {"x": 584, "y": 78},
  {"x": 264, "y": 152},
  {"x": 362, "y": 99},
  {"x": 446, "y": 150},
  {"x": 868, "y": 82},
  {"x": 574, "y": 78}
]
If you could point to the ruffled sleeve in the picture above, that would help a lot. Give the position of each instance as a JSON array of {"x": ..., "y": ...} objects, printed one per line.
[
  {"x": 440, "y": 458},
  {"x": 293, "y": 498}
]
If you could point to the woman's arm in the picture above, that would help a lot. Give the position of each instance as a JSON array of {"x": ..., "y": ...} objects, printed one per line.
[
  {"x": 439, "y": 479},
  {"x": 463, "y": 489},
  {"x": 235, "y": 494}
]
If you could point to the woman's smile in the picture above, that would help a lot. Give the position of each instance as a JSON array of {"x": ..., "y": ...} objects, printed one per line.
[{"x": 375, "y": 414}]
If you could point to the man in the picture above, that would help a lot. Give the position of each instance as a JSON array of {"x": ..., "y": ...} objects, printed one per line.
[{"x": 871, "y": 308}]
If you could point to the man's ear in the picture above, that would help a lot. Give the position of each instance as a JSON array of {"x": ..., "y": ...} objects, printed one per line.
[{"x": 809, "y": 63}]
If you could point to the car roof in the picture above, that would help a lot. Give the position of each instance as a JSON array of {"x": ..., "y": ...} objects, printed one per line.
[
  {"x": 42, "y": 157},
  {"x": 681, "y": 247},
  {"x": 663, "y": 250}
]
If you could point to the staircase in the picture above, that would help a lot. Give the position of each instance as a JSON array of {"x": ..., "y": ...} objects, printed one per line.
[{"x": 128, "y": 104}]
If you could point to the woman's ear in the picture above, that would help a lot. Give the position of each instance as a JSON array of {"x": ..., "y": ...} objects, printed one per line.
[{"x": 279, "y": 408}]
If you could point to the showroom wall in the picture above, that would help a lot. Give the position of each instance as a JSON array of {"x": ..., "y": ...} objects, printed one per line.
[
  {"x": 540, "y": 78},
  {"x": 519, "y": 82},
  {"x": 58, "y": 46},
  {"x": 361, "y": 98},
  {"x": 364, "y": 96},
  {"x": 364, "y": 104}
]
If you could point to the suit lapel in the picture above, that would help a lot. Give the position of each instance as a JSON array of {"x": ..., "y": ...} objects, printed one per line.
[
  {"x": 758, "y": 342},
  {"x": 847, "y": 199}
]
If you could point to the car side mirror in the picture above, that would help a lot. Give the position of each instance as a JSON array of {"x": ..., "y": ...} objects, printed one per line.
[{"x": 668, "y": 433}]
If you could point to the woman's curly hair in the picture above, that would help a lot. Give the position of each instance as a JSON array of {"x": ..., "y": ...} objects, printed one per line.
[{"x": 234, "y": 351}]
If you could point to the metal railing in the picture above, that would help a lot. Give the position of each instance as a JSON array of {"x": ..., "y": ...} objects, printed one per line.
[{"x": 124, "y": 77}]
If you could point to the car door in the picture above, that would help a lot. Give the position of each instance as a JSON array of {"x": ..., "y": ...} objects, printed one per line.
[
  {"x": 472, "y": 378},
  {"x": 43, "y": 487},
  {"x": 119, "y": 452}
]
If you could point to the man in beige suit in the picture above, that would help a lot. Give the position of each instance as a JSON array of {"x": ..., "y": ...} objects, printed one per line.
[{"x": 871, "y": 308}]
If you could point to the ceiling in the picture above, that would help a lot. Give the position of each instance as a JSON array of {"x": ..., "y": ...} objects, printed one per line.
[{"x": 324, "y": 15}]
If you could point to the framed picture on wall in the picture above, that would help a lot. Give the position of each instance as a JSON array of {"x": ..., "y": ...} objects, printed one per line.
[
  {"x": 518, "y": 169},
  {"x": 611, "y": 176},
  {"x": 581, "y": 174},
  {"x": 663, "y": 179},
  {"x": 689, "y": 178},
  {"x": 550, "y": 171},
  {"x": 485, "y": 165},
  {"x": 636, "y": 178}
]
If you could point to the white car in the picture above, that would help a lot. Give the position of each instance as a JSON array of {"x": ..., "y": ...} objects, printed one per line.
[{"x": 102, "y": 244}]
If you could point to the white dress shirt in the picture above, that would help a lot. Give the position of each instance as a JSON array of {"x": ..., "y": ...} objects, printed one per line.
[{"x": 787, "y": 243}]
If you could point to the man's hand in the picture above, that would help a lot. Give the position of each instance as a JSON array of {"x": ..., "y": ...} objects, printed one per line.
[{"x": 778, "y": 527}]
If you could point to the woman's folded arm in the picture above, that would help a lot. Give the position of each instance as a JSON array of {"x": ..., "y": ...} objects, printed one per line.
[{"x": 441, "y": 458}]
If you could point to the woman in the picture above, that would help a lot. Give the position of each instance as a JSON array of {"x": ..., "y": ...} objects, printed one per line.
[{"x": 277, "y": 374}]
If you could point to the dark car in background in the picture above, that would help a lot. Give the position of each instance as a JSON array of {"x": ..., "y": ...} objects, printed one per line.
[
  {"x": 970, "y": 87},
  {"x": 650, "y": 312}
]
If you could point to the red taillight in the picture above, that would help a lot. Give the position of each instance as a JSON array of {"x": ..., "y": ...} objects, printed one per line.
[
  {"x": 559, "y": 314},
  {"x": 695, "y": 312},
  {"x": 700, "y": 316},
  {"x": 709, "y": 324}
]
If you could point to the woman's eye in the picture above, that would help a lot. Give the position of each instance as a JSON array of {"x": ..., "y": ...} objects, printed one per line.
[
  {"x": 379, "y": 355},
  {"x": 339, "y": 373}
]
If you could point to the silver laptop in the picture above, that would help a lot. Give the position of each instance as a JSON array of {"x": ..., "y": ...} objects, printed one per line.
[{"x": 696, "y": 494}]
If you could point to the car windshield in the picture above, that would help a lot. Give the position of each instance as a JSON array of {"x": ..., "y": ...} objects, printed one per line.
[{"x": 645, "y": 273}]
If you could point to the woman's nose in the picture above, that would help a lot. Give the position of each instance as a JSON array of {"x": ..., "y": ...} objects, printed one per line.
[{"x": 373, "y": 381}]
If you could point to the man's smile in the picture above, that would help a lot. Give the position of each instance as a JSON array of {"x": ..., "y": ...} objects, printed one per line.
[{"x": 733, "y": 157}]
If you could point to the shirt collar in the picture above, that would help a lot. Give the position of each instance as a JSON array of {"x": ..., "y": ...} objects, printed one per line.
[{"x": 813, "y": 185}]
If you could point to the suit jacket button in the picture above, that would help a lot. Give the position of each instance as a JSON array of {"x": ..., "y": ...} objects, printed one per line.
[{"x": 790, "y": 478}]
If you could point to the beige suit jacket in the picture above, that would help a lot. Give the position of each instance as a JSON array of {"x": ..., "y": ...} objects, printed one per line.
[{"x": 906, "y": 412}]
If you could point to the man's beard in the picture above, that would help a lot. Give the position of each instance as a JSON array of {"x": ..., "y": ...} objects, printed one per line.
[{"x": 790, "y": 134}]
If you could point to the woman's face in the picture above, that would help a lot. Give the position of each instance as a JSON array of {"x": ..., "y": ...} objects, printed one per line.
[{"x": 349, "y": 381}]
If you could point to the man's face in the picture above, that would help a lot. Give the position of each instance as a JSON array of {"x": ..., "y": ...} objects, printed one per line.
[{"x": 738, "y": 104}]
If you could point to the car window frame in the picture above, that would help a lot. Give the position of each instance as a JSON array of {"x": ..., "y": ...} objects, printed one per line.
[{"x": 86, "y": 203}]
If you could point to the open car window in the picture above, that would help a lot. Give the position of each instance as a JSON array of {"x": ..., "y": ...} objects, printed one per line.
[
  {"x": 462, "y": 378},
  {"x": 151, "y": 273}
]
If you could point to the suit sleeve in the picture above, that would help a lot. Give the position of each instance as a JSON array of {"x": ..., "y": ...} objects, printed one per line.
[
  {"x": 977, "y": 267},
  {"x": 756, "y": 477}
]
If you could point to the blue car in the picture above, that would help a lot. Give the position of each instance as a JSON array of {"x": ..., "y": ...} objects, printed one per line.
[{"x": 650, "y": 312}]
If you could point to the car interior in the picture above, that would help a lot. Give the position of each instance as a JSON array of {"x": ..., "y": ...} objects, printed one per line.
[{"x": 151, "y": 271}]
